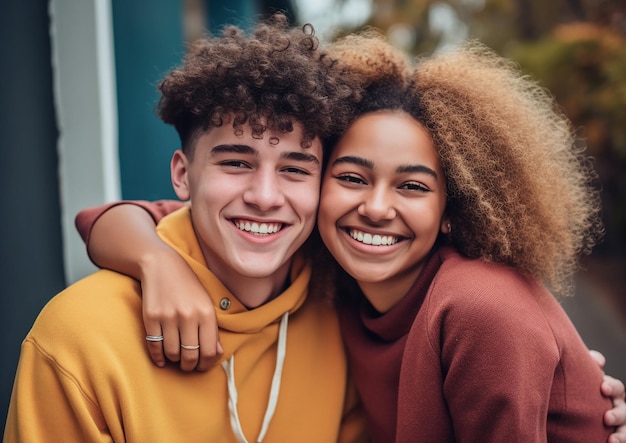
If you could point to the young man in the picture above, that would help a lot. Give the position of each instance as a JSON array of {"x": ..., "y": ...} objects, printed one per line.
[{"x": 250, "y": 111}]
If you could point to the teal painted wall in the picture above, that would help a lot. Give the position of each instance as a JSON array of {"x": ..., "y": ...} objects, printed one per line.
[
  {"x": 148, "y": 41},
  {"x": 238, "y": 12},
  {"x": 31, "y": 247}
]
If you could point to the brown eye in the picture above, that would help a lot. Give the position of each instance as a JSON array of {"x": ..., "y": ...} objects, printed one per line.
[
  {"x": 298, "y": 171},
  {"x": 350, "y": 178},
  {"x": 414, "y": 186},
  {"x": 235, "y": 164}
]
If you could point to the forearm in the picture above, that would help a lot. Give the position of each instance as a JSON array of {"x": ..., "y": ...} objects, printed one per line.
[{"x": 124, "y": 239}]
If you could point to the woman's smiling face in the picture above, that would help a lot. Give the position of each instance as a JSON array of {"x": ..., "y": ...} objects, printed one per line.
[{"x": 383, "y": 203}]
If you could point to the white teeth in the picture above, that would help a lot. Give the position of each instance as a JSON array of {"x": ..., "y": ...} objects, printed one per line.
[
  {"x": 258, "y": 228},
  {"x": 376, "y": 240}
]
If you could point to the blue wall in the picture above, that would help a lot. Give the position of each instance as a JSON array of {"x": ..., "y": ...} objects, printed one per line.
[
  {"x": 31, "y": 248},
  {"x": 148, "y": 41}
]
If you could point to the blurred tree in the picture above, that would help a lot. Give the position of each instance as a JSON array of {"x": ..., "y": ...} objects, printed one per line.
[{"x": 584, "y": 66}]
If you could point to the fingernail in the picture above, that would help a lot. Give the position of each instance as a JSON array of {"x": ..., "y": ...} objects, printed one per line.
[{"x": 610, "y": 418}]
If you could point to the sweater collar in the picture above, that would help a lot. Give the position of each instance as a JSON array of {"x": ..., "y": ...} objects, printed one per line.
[{"x": 177, "y": 231}]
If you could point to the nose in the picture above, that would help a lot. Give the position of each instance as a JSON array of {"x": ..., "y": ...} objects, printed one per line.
[
  {"x": 377, "y": 205},
  {"x": 264, "y": 191}
]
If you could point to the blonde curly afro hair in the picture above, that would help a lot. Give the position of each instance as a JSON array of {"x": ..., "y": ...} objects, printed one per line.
[
  {"x": 369, "y": 59},
  {"x": 520, "y": 188},
  {"x": 377, "y": 72}
]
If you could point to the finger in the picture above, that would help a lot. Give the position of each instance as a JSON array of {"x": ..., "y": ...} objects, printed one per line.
[
  {"x": 618, "y": 436},
  {"x": 155, "y": 346},
  {"x": 598, "y": 357},
  {"x": 190, "y": 349},
  {"x": 210, "y": 348},
  {"x": 616, "y": 416},
  {"x": 171, "y": 344},
  {"x": 612, "y": 387}
]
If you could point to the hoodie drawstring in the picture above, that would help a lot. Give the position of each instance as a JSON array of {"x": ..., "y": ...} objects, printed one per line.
[{"x": 229, "y": 368}]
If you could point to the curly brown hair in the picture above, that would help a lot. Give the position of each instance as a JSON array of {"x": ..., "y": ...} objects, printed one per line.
[
  {"x": 268, "y": 79},
  {"x": 520, "y": 186}
]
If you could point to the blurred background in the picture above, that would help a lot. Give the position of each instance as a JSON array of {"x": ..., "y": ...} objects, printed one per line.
[{"x": 77, "y": 126}]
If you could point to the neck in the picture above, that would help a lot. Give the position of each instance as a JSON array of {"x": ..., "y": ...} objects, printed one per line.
[
  {"x": 382, "y": 299},
  {"x": 385, "y": 294},
  {"x": 253, "y": 292}
]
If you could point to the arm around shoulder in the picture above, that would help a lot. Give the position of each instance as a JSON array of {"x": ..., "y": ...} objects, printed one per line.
[
  {"x": 86, "y": 218},
  {"x": 175, "y": 304}
]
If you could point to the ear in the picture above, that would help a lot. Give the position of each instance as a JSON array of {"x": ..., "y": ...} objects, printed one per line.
[
  {"x": 446, "y": 225},
  {"x": 179, "y": 169}
]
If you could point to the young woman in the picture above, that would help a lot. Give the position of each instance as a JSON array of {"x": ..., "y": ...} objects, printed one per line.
[
  {"x": 452, "y": 200},
  {"x": 450, "y": 209}
]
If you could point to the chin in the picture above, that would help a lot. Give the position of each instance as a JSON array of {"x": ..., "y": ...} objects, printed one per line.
[
  {"x": 257, "y": 272},
  {"x": 259, "y": 269},
  {"x": 368, "y": 276}
]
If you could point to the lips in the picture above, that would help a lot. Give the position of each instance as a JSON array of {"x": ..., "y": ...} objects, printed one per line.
[
  {"x": 373, "y": 239},
  {"x": 258, "y": 228}
]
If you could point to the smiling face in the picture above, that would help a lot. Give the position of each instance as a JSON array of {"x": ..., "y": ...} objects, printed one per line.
[
  {"x": 253, "y": 201},
  {"x": 382, "y": 204}
]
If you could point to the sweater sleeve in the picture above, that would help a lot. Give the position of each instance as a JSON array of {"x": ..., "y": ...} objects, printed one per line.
[
  {"x": 39, "y": 380},
  {"x": 513, "y": 366},
  {"x": 86, "y": 218},
  {"x": 492, "y": 356},
  {"x": 499, "y": 360}
]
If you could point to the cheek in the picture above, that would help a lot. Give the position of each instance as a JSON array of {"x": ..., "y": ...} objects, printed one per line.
[
  {"x": 332, "y": 206},
  {"x": 309, "y": 208},
  {"x": 305, "y": 199},
  {"x": 425, "y": 220},
  {"x": 217, "y": 188}
]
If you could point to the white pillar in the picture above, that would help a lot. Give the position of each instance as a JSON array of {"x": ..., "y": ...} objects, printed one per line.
[{"x": 86, "y": 108}]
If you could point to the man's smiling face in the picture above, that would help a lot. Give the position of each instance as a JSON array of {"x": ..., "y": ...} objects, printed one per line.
[{"x": 254, "y": 201}]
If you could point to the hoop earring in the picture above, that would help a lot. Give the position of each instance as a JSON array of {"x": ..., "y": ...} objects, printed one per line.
[{"x": 449, "y": 228}]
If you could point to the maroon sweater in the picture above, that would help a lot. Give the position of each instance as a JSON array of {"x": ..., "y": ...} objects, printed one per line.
[
  {"x": 158, "y": 209},
  {"x": 474, "y": 352}
]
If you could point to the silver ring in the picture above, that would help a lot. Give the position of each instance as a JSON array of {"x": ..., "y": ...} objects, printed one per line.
[
  {"x": 190, "y": 347},
  {"x": 154, "y": 338}
]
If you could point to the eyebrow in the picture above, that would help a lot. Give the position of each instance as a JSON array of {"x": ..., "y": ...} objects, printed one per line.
[
  {"x": 245, "y": 149},
  {"x": 417, "y": 169},
  {"x": 238, "y": 149},
  {"x": 353, "y": 159},
  {"x": 360, "y": 161}
]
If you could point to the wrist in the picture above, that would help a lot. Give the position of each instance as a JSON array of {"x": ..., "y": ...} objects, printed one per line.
[{"x": 152, "y": 260}]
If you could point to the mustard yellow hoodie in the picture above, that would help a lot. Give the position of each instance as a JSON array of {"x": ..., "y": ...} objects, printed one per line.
[{"x": 85, "y": 376}]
